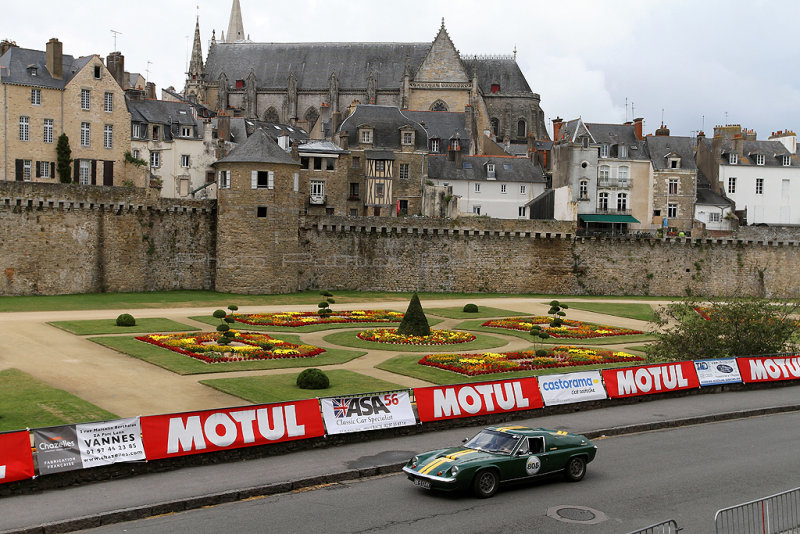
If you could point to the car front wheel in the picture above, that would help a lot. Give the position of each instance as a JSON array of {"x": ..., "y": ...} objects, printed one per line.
[
  {"x": 576, "y": 469},
  {"x": 485, "y": 483}
]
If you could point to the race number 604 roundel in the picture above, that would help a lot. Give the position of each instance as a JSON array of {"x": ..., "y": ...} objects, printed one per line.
[{"x": 16, "y": 460}]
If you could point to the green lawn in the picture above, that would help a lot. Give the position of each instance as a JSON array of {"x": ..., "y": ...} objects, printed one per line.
[
  {"x": 186, "y": 365},
  {"x": 632, "y": 310},
  {"x": 350, "y": 339},
  {"x": 25, "y": 402},
  {"x": 213, "y": 321},
  {"x": 283, "y": 387},
  {"x": 182, "y": 299},
  {"x": 407, "y": 365},
  {"x": 475, "y": 326},
  {"x": 459, "y": 313},
  {"x": 109, "y": 326}
]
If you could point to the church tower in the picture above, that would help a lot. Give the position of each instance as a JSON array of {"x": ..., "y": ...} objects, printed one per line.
[
  {"x": 195, "y": 89},
  {"x": 235, "y": 25}
]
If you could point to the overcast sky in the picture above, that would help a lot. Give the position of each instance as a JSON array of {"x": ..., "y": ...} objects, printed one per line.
[{"x": 703, "y": 63}]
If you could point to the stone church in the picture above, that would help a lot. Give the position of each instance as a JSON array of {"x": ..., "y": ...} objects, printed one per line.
[{"x": 306, "y": 84}]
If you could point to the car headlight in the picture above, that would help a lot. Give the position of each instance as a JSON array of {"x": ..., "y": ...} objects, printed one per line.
[
  {"x": 414, "y": 461},
  {"x": 454, "y": 470}
]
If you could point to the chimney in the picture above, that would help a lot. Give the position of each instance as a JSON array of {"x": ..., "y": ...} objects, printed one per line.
[
  {"x": 150, "y": 90},
  {"x": 738, "y": 144},
  {"x": 295, "y": 152},
  {"x": 55, "y": 59},
  {"x": 223, "y": 127},
  {"x": 663, "y": 131},
  {"x": 344, "y": 139},
  {"x": 115, "y": 62},
  {"x": 557, "y": 129},
  {"x": 788, "y": 138},
  {"x": 637, "y": 127},
  {"x": 5, "y": 45},
  {"x": 336, "y": 120},
  {"x": 531, "y": 144}
]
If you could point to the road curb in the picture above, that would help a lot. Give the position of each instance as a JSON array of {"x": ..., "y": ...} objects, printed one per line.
[{"x": 266, "y": 490}]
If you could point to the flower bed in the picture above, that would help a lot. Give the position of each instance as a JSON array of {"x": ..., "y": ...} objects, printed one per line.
[
  {"x": 569, "y": 328},
  {"x": 246, "y": 346},
  {"x": 492, "y": 362},
  {"x": 437, "y": 337},
  {"x": 308, "y": 318}
]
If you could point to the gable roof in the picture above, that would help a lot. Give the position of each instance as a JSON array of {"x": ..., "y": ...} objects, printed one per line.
[
  {"x": 161, "y": 112},
  {"x": 385, "y": 122},
  {"x": 442, "y": 62},
  {"x": 15, "y": 62},
  {"x": 661, "y": 148},
  {"x": 258, "y": 148}
]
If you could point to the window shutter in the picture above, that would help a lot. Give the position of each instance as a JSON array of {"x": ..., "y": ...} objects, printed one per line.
[
  {"x": 94, "y": 172},
  {"x": 52, "y": 169},
  {"x": 38, "y": 169},
  {"x": 18, "y": 169},
  {"x": 271, "y": 180},
  {"x": 253, "y": 179},
  {"x": 219, "y": 179},
  {"x": 76, "y": 170},
  {"x": 296, "y": 182}
]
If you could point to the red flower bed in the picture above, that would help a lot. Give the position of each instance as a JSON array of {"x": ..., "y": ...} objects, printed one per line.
[
  {"x": 307, "y": 318},
  {"x": 569, "y": 329},
  {"x": 437, "y": 337}
]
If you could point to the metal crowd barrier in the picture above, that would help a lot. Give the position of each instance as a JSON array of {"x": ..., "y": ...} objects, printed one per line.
[
  {"x": 776, "y": 514},
  {"x": 666, "y": 527}
]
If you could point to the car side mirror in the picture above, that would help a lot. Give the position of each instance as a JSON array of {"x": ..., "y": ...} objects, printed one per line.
[{"x": 464, "y": 440}]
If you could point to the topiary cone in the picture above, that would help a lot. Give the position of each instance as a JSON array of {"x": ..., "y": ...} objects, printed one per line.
[{"x": 414, "y": 322}]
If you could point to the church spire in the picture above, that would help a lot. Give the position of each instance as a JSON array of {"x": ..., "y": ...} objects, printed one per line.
[
  {"x": 235, "y": 25},
  {"x": 196, "y": 63}
]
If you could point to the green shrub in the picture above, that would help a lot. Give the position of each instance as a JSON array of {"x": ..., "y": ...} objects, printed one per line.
[
  {"x": 556, "y": 322},
  {"x": 541, "y": 353},
  {"x": 414, "y": 322},
  {"x": 323, "y": 304},
  {"x": 233, "y": 307},
  {"x": 470, "y": 308},
  {"x": 220, "y": 314},
  {"x": 223, "y": 327},
  {"x": 313, "y": 378},
  {"x": 331, "y": 301},
  {"x": 325, "y": 293},
  {"x": 126, "y": 319}
]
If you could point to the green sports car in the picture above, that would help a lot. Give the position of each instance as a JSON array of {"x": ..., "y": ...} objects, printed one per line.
[{"x": 502, "y": 454}]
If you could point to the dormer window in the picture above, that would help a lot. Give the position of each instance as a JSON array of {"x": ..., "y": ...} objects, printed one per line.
[
  {"x": 787, "y": 160},
  {"x": 733, "y": 159},
  {"x": 434, "y": 145},
  {"x": 407, "y": 138},
  {"x": 365, "y": 135},
  {"x": 760, "y": 159},
  {"x": 455, "y": 145},
  {"x": 240, "y": 84},
  {"x": 674, "y": 163},
  {"x": 33, "y": 71},
  {"x": 490, "y": 172},
  {"x": 603, "y": 149},
  {"x": 585, "y": 142},
  {"x": 495, "y": 87},
  {"x": 622, "y": 151}
]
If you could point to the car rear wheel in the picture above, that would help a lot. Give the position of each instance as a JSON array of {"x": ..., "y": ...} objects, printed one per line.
[
  {"x": 485, "y": 483},
  {"x": 576, "y": 469}
]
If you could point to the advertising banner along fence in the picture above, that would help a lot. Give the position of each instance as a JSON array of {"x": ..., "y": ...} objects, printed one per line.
[
  {"x": 57, "y": 449},
  {"x": 769, "y": 369},
  {"x": 16, "y": 459},
  {"x": 571, "y": 387},
  {"x": 466, "y": 400},
  {"x": 166, "y": 436},
  {"x": 715, "y": 372},
  {"x": 650, "y": 379},
  {"x": 367, "y": 412}
]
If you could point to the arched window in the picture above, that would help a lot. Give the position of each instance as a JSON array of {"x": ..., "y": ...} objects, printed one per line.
[
  {"x": 271, "y": 115},
  {"x": 584, "y": 189},
  {"x": 522, "y": 128},
  {"x": 439, "y": 105},
  {"x": 495, "y": 126},
  {"x": 622, "y": 202},
  {"x": 311, "y": 117},
  {"x": 602, "y": 202}
]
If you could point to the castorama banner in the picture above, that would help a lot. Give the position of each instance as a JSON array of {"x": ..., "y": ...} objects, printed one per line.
[
  {"x": 467, "y": 400},
  {"x": 166, "y": 436},
  {"x": 650, "y": 379},
  {"x": 572, "y": 387},
  {"x": 769, "y": 369}
]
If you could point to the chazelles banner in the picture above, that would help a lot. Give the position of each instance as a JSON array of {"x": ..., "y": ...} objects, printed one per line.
[
  {"x": 69, "y": 447},
  {"x": 166, "y": 436},
  {"x": 649, "y": 379},
  {"x": 467, "y": 400},
  {"x": 16, "y": 459},
  {"x": 769, "y": 369},
  {"x": 367, "y": 412}
]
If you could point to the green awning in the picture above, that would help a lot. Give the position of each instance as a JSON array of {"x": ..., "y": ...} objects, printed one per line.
[{"x": 607, "y": 218}]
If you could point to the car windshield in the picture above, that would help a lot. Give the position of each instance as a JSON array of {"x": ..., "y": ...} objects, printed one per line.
[{"x": 493, "y": 441}]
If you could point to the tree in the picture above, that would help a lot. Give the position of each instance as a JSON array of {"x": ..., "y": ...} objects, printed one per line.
[
  {"x": 557, "y": 313},
  {"x": 414, "y": 322},
  {"x": 750, "y": 326},
  {"x": 63, "y": 159}
]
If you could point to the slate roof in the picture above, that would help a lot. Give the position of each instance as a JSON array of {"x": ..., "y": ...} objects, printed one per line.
[
  {"x": 660, "y": 147},
  {"x": 320, "y": 147},
  {"x": 161, "y": 112},
  {"x": 259, "y": 148},
  {"x": 507, "y": 169},
  {"x": 242, "y": 128},
  {"x": 705, "y": 195},
  {"x": 313, "y": 63},
  {"x": 773, "y": 152},
  {"x": 611, "y": 134},
  {"x": 386, "y": 122},
  {"x": 441, "y": 124},
  {"x": 15, "y": 62}
]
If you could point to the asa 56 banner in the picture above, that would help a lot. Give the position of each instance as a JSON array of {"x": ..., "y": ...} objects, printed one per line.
[
  {"x": 467, "y": 400},
  {"x": 166, "y": 436},
  {"x": 16, "y": 460},
  {"x": 649, "y": 379},
  {"x": 367, "y": 412}
]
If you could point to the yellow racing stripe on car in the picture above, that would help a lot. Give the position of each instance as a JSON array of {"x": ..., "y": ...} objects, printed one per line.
[
  {"x": 443, "y": 459},
  {"x": 507, "y": 428}
]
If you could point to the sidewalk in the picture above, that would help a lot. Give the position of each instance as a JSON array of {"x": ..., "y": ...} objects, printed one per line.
[{"x": 114, "y": 501}]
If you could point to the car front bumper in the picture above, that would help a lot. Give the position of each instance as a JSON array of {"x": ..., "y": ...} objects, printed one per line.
[{"x": 431, "y": 481}]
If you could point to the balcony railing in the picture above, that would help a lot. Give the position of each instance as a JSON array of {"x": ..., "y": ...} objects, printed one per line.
[
  {"x": 318, "y": 200},
  {"x": 614, "y": 182},
  {"x": 612, "y": 211}
]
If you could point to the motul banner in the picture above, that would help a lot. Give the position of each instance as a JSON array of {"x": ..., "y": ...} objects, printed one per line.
[
  {"x": 166, "y": 436},
  {"x": 769, "y": 369},
  {"x": 16, "y": 459},
  {"x": 367, "y": 412},
  {"x": 468, "y": 400},
  {"x": 573, "y": 387},
  {"x": 649, "y": 379}
]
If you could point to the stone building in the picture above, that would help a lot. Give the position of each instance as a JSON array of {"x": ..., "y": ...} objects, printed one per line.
[
  {"x": 674, "y": 180},
  {"x": 298, "y": 83},
  {"x": 47, "y": 93}
]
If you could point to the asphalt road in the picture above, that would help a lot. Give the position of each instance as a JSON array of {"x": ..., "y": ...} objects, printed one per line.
[{"x": 685, "y": 474}]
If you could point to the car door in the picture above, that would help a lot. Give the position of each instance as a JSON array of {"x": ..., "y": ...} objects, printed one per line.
[{"x": 531, "y": 458}]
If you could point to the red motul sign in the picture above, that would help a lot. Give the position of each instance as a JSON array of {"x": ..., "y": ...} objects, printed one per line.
[
  {"x": 16, "y": 460},
  {"x": 166, "y": 436},
  {"x": 763, "y": 369},
  {"x": 467, "y": 400},
  {"x": 649, "y": 379}
]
